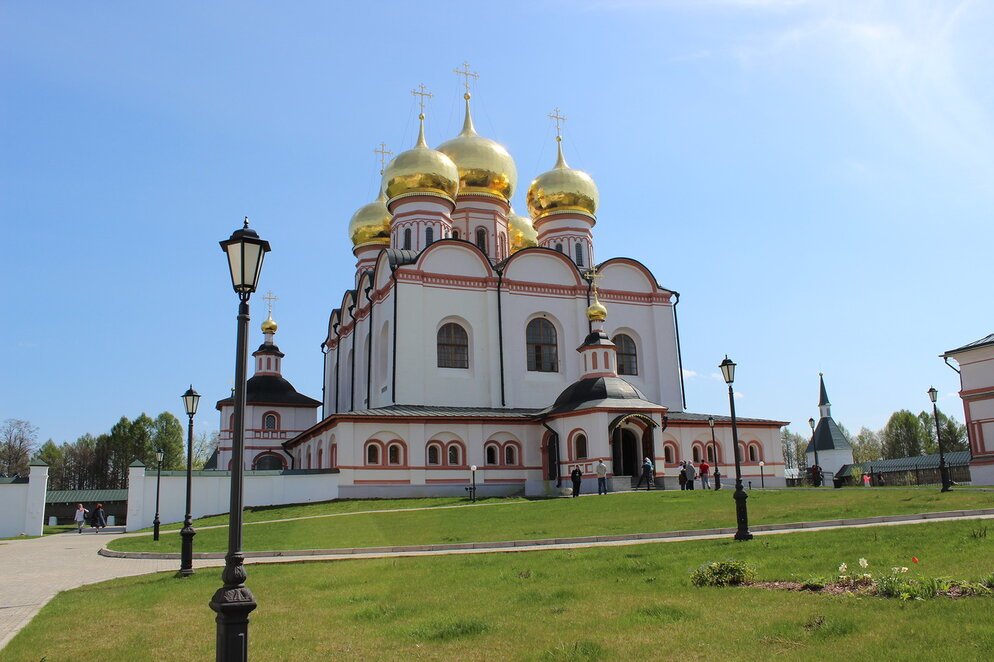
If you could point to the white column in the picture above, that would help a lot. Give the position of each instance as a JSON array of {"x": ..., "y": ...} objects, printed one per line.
[
  {"x": 136, "y": 496},
  {"x": 34, "y": 508}
]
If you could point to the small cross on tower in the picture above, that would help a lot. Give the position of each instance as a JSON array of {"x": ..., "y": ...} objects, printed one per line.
[
  {"x": 557, "y": 117},
  {"x": 466, "y": 74},
  {"x": 270, "y": 298},
  {"x": 422, "y": 92},
  {"x": 383, "y": 153}
]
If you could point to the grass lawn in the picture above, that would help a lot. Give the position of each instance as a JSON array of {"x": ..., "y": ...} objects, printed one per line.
[
  {"x": 610, "y": 603},
  {"x": 58, "y": 528},
  {"x": 266, "y": 513},
  {"x": 621, "y": 513}
]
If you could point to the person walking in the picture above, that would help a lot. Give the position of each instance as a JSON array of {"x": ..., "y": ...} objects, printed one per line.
[
  {"x": 646, "y": 474},
  {"x": 691, "y": 475},
  {"x": 683, "y": 476},
  {"x": 80, "y": 517},
  {"x": 601, "y": 477},
  {"x": 577, "y": 477},
  {"x": 99, "y": 518},
  {"x": 705, "y": 477}
]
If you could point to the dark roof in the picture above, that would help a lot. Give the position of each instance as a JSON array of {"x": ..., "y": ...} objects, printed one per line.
[
  {"x": 828, "y": 437},
  {"x": 399, "y": 257},
  {"x": 272, "y": 390},
  {"x": 86, "y": 496},
  {"x": 596, "y": 338},
  {"x": 954, "y": 459},
  {"x": 686, "y": 416},
  {"x": 269, "y": 349},
  {"x": 432, "y": 411},
  {"x": 983, "y": 342},
  {"x": 823, "y": 396},
  {"x": 211, "y": 463},
  {"x": 597, "y": 391}
]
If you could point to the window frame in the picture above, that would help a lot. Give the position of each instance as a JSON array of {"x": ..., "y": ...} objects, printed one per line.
[
  {"x": 536, "y": 357},
  {"x": 450, "y": 357},
  {"x": 621, "y": 350}
]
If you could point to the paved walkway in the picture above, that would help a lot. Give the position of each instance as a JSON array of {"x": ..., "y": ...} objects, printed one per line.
[{"x": 33, "y": 571}]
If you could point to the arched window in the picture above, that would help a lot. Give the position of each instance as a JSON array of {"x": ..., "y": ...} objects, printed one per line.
[
  {"x": 270, "y": 422},
  {"x": 697, "y": 454},
  {"x": 711, "y": 454},
  {"x": 492, "y": 454},
  {"x": 559, "y": 248},
  {"x": 578, "y": 249},
  {"x": 455, "y": 234},
  {"x": 320, "y": 458},
  {"x": 407, "y": 239},
  {"x": 628, "y": 363},
  {"x": 453, "y": 346},
  {"x": 668, "y": 455},
  {"x": 455, "y": 455},
  {"x": 753, "y": 453},
  {"x": 429, "y": 236},
  {"x": 580, "y": 447},
  {"x": 434, "y": 454},
  {"x": 481, "y": 240},
  {"x": 372, "y": 454},
  {"x": 511, "y": 455},
  {"x": 395, "y": 454},
  {"x": 540, "y": 337},
  {"x": 267, "y": 462},
  {"x": 738, "y": 452}
]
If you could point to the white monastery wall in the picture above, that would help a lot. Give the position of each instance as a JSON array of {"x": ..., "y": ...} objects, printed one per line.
[{"x": 22, "y": 504}]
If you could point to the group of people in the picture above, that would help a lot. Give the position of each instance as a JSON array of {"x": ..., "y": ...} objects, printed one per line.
[
  {"x": 688, "y": 475},
  {"x": 98, "y": 518}
]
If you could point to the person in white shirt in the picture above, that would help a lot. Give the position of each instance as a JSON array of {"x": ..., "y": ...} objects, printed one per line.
[{"x": 601, "y": 477}]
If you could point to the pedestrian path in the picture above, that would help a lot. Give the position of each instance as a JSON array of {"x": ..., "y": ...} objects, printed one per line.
[{"x": 33, "y": 571}]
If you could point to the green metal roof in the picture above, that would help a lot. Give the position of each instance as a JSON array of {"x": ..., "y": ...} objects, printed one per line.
[
  {"x": 85, "y": 496},
  {"x": 954, "y": 459}
]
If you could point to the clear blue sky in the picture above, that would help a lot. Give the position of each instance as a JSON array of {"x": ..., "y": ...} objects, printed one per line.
[{"x": 814, "y": 178}]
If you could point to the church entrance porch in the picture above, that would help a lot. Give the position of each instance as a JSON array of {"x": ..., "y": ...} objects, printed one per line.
[{"x": 625, "y": 449}]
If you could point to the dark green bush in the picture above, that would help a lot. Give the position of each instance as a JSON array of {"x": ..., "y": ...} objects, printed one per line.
[{"x": 723, "y": 573}]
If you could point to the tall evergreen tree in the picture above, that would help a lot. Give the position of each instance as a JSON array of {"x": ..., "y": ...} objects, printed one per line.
[{"x": 902, "y": 436}]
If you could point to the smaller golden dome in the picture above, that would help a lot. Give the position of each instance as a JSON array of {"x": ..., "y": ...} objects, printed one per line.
[
  {"x": 596, "y": 312},
  {"x": 562, "y": 189},
  {"x": 421, "y": 170},
  {"x": 268, "y": 325},
  {"x": 484, "y": 166},
  {"x": 521, "y": 232},
  {"x": 371, "y": 223}
]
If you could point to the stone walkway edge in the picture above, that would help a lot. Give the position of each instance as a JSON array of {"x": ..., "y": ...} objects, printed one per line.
[{"x": 541, "y": 543}]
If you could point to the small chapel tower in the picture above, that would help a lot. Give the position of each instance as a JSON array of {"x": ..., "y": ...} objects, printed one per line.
[
  {"x": 599, "y": 353},
  {"x": 834, "y": 450}
]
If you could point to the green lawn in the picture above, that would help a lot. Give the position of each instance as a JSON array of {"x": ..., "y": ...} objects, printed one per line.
[
  {"x": 610, "y": 603},
  {"x": 266, "y": 513},
  {"x": 615, "y": 514}
]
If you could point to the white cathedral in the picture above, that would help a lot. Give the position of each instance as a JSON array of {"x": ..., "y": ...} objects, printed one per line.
[{"x": 477, "y": 337}]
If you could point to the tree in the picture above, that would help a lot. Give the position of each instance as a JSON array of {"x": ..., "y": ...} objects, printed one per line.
[
  {"x": 52, "y": 455},
  {"x": 168, "y": 434},
  {"x": 902, "y": 436},
  {"x": 954, "y": 436},
  {"x": 17, "y": 441},
  {"x": 793, "y": 446},
  {"x": 866, "y": 446},
  {"x": 204, "y": 445}
]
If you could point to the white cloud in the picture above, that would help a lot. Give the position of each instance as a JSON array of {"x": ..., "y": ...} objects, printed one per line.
[
  {"x": 739, "y": 395},
  {"x": 688, "y": 374}
]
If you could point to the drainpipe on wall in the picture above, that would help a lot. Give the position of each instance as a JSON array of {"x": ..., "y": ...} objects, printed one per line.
[
  {"x": 679, "y": 353},
  {"x": 338, "y": 356},
  {"x": 396, "y": 295},
  {"x": 369, "y": 351},
  {"x": 500, "y": 337}
]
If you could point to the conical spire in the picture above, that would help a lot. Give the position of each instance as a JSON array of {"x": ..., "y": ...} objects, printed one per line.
[
  {"x": 560, "y": 159},
  {"x": 467, "y": 124},
  {"x": 824, "y": 406},
  {"x": 421, "y": 132}
]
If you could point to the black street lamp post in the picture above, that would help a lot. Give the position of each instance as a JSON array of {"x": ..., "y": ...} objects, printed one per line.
[
  {"x": 158, "y": 479},
  {"x": 191, "y": 399},
  {"x": 740, "y": 496},
  {"x": 947, "y": 484},
  {"x": 714, "y": 456},
  {"x": 762, "y": 475},
  {"x": 233, "y": 602},
  {"x": 472, "y": 489},
  {"x": 816, "y": 474}
]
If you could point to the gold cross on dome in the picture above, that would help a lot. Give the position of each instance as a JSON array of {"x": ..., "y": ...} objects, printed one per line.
[
  {"x": 270, "y": 298},
  {"x": 422, "y": 91},
  {"x": 383, "y": 153},
  {"x": 557, "y": 117},
  {"x": 466, "y": 74},
  {"x": 592, "y": 276}
]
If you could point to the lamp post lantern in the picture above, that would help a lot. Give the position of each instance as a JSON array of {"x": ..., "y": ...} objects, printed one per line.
[
  {"x": 740, "y": 496},
  {"x": 762, "y": 476},
  {"x": 947, "y": 484},
  {"x": 816, "y": 474},
  {"x": 233, "y": 602},
  {"x": 714, "y": 446},
  {"x": 158, "y": 480},
  {"x": 191, "y": 399}
]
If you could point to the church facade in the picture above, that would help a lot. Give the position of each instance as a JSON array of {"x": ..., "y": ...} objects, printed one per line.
[{"x": 477, "y": 337}]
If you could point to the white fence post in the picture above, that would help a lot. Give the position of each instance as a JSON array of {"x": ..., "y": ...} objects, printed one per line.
[
  {"x": 34, "y": 511},
  {"x": 136, "y": 496}
]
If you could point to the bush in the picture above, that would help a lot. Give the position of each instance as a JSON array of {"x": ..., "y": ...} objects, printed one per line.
[
  {"x": 909, "y": 588},
  {"x": 723, "y": 573}
]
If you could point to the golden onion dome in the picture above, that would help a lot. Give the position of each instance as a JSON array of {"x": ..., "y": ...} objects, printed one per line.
[
  {"x": 562, "y": 189},
  {"x": 484, "y": 166},
  {"x": 421, "y": 170},
  {"x": 596, "y": 312},
  {"x": 521, "y": 232},
  {"x": 269, "y": 325},
  {"x": 371, "y": 223}
]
